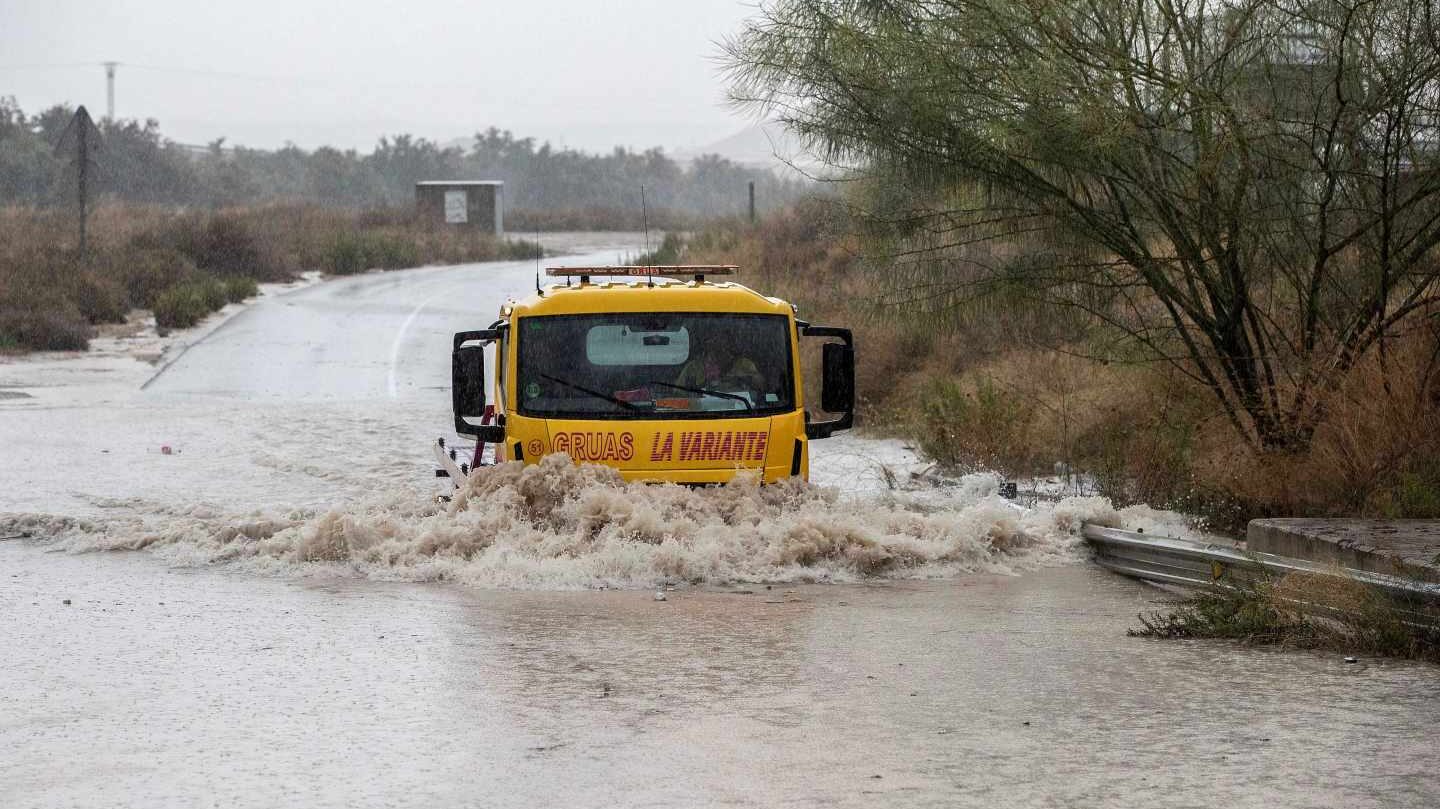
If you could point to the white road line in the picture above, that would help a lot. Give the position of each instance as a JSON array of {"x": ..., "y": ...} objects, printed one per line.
[{"x": 391, "y": 382}]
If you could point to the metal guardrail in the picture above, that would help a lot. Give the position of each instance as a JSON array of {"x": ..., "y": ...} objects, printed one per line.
[{"x": 1191, "y": 563}]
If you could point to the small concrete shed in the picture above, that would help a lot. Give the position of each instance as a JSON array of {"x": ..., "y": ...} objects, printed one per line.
[{"x": 466, "y": 203}]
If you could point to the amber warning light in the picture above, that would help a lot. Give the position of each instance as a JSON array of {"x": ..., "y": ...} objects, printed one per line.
[{"x": 639, "y": 271}]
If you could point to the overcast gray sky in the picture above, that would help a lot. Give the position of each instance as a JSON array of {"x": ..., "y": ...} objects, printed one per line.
[{"x": 587, "y": 74}]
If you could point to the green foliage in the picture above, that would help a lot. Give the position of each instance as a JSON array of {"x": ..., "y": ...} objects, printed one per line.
[
  {"x": 1143, "y": 453},
  {"x": 669, "y": 251},
  {"x": 187, "y": 303},
  {"x": 29, "y": 168},
  {"x": 391, "y": 251},
  {"x": 974, "y": 427},
  {"x": 521, "y": 249},
  {"x": 1415, "y": 493},
  {"x": 179, "y": 307},
  {"x": 239, "y": 289},
  {"x": 213, "y": 292},
  {"x": 1355, "y": 618},
  {"x": 345, "y": 255},
  {"x": 145, "y": 273},
  {"x": 563, "y": 188},
  {"x": 1220, "y": 613},
  {"x": 1168, "y": 174},
  {"x": 348, "y": 252},
  {"x": 595, "y": 216}
]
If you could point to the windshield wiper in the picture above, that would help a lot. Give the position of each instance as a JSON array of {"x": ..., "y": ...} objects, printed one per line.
[
  {"x": 596, "y": 394},
  {"x": 721, "y": 394}
]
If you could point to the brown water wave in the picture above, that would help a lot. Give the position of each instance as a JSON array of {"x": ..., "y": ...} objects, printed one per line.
[{"x": 556, "y": 525}]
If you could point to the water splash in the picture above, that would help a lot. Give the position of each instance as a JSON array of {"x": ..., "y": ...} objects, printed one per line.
[{"x": 556, "y": 525}]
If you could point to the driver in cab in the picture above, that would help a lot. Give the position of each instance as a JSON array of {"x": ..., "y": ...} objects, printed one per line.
[{"x": 714, "y": 367}]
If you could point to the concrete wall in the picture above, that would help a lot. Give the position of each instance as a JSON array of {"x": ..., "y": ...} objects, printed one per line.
[{"x": 1396, "y": 547}]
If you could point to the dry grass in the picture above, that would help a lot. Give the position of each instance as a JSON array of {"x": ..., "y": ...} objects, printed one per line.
[
  {"x": 1378, "y": 451},
  {"x": 148, "y": 257},
  {"x": 1004, "y": 384},
  {"x": 598, "y": 218}
]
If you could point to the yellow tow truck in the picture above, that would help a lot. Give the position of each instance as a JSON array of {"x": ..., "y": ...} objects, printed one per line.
[{"x": 655, "y": 371}]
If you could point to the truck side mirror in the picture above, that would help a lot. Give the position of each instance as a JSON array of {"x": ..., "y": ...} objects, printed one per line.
[
  {"x": 467, "y": 382},
  {"x": 837, "y": 380},
  {"x": 837, "y": 386}
]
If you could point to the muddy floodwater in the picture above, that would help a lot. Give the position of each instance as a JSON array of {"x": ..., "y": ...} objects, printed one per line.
[
  {"x": 160, "y": 687},
  {"x": 224, "y": 581}
]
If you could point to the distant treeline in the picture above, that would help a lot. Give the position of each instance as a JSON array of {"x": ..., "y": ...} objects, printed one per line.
[{"x": 137, "y": 163}]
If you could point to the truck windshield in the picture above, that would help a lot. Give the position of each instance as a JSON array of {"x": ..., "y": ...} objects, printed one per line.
[{"x": 655, "y": 365}]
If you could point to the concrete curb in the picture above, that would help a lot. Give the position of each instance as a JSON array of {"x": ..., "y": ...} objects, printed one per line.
[{"x": 1409, "y": 548}]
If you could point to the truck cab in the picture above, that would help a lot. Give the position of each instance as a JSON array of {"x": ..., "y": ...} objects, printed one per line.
[{"x": 658, "y": 372}]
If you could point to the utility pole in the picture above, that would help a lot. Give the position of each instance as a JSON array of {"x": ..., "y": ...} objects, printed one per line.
[
  {"x": 82, "y": 128},
  {"x": 110, "y": 90},
  {"x": 752, "y": 202}
]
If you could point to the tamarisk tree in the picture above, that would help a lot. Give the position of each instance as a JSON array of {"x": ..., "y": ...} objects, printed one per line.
[{"x": 1247, "y": 189}]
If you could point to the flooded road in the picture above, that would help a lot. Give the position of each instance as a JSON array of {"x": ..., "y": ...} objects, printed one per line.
[
  {"x": 162, "y": 687},
  {"x": 305, "y": 627}
]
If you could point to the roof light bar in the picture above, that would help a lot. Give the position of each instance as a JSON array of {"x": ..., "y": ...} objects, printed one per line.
[{"x": 643, "y": 271}]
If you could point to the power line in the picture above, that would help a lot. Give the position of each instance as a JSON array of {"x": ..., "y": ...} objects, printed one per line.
[
  {"x": 50, "y": 66},
  {"x": 303, "y": 78},
  {"x": 284, "y": 78},
  {"x": 228, "y": 74},
  {"x": 224, "y": 74}
]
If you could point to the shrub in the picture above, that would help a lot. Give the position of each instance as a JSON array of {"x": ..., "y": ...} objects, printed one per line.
[
  {"x": 1142, "y": 450},
  {"x": 198, "y": 261},
  {"x": 669, "y": 251},
  {"x": 1234, "y": 614},
  {"x": 145, "y": 273},
  {"x": 186, "y": 304},
  {"x": 979, "y": 427},
  {"x": 520, "y": 249},
  {"x": 390, "y": 251},
  {"x": 1415, "y": 495},
  {"x": 1302, "y": 610},
  {"x": 224, "y": 243},
  {"x": 213, "y": 291},
  {"x": 389, "y": 217},
  {"x": 51, "y": 276},
  {"x": 228, "y": 248},
  {"x": 1375, "y": 455},
  {"x": 595, "y": 217},
  {"x": 99, "y": 298},
  {"x": 239, "y": 288},
  {"x": 345, "y": 255},
  {"x": 62, "y": 328}
]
